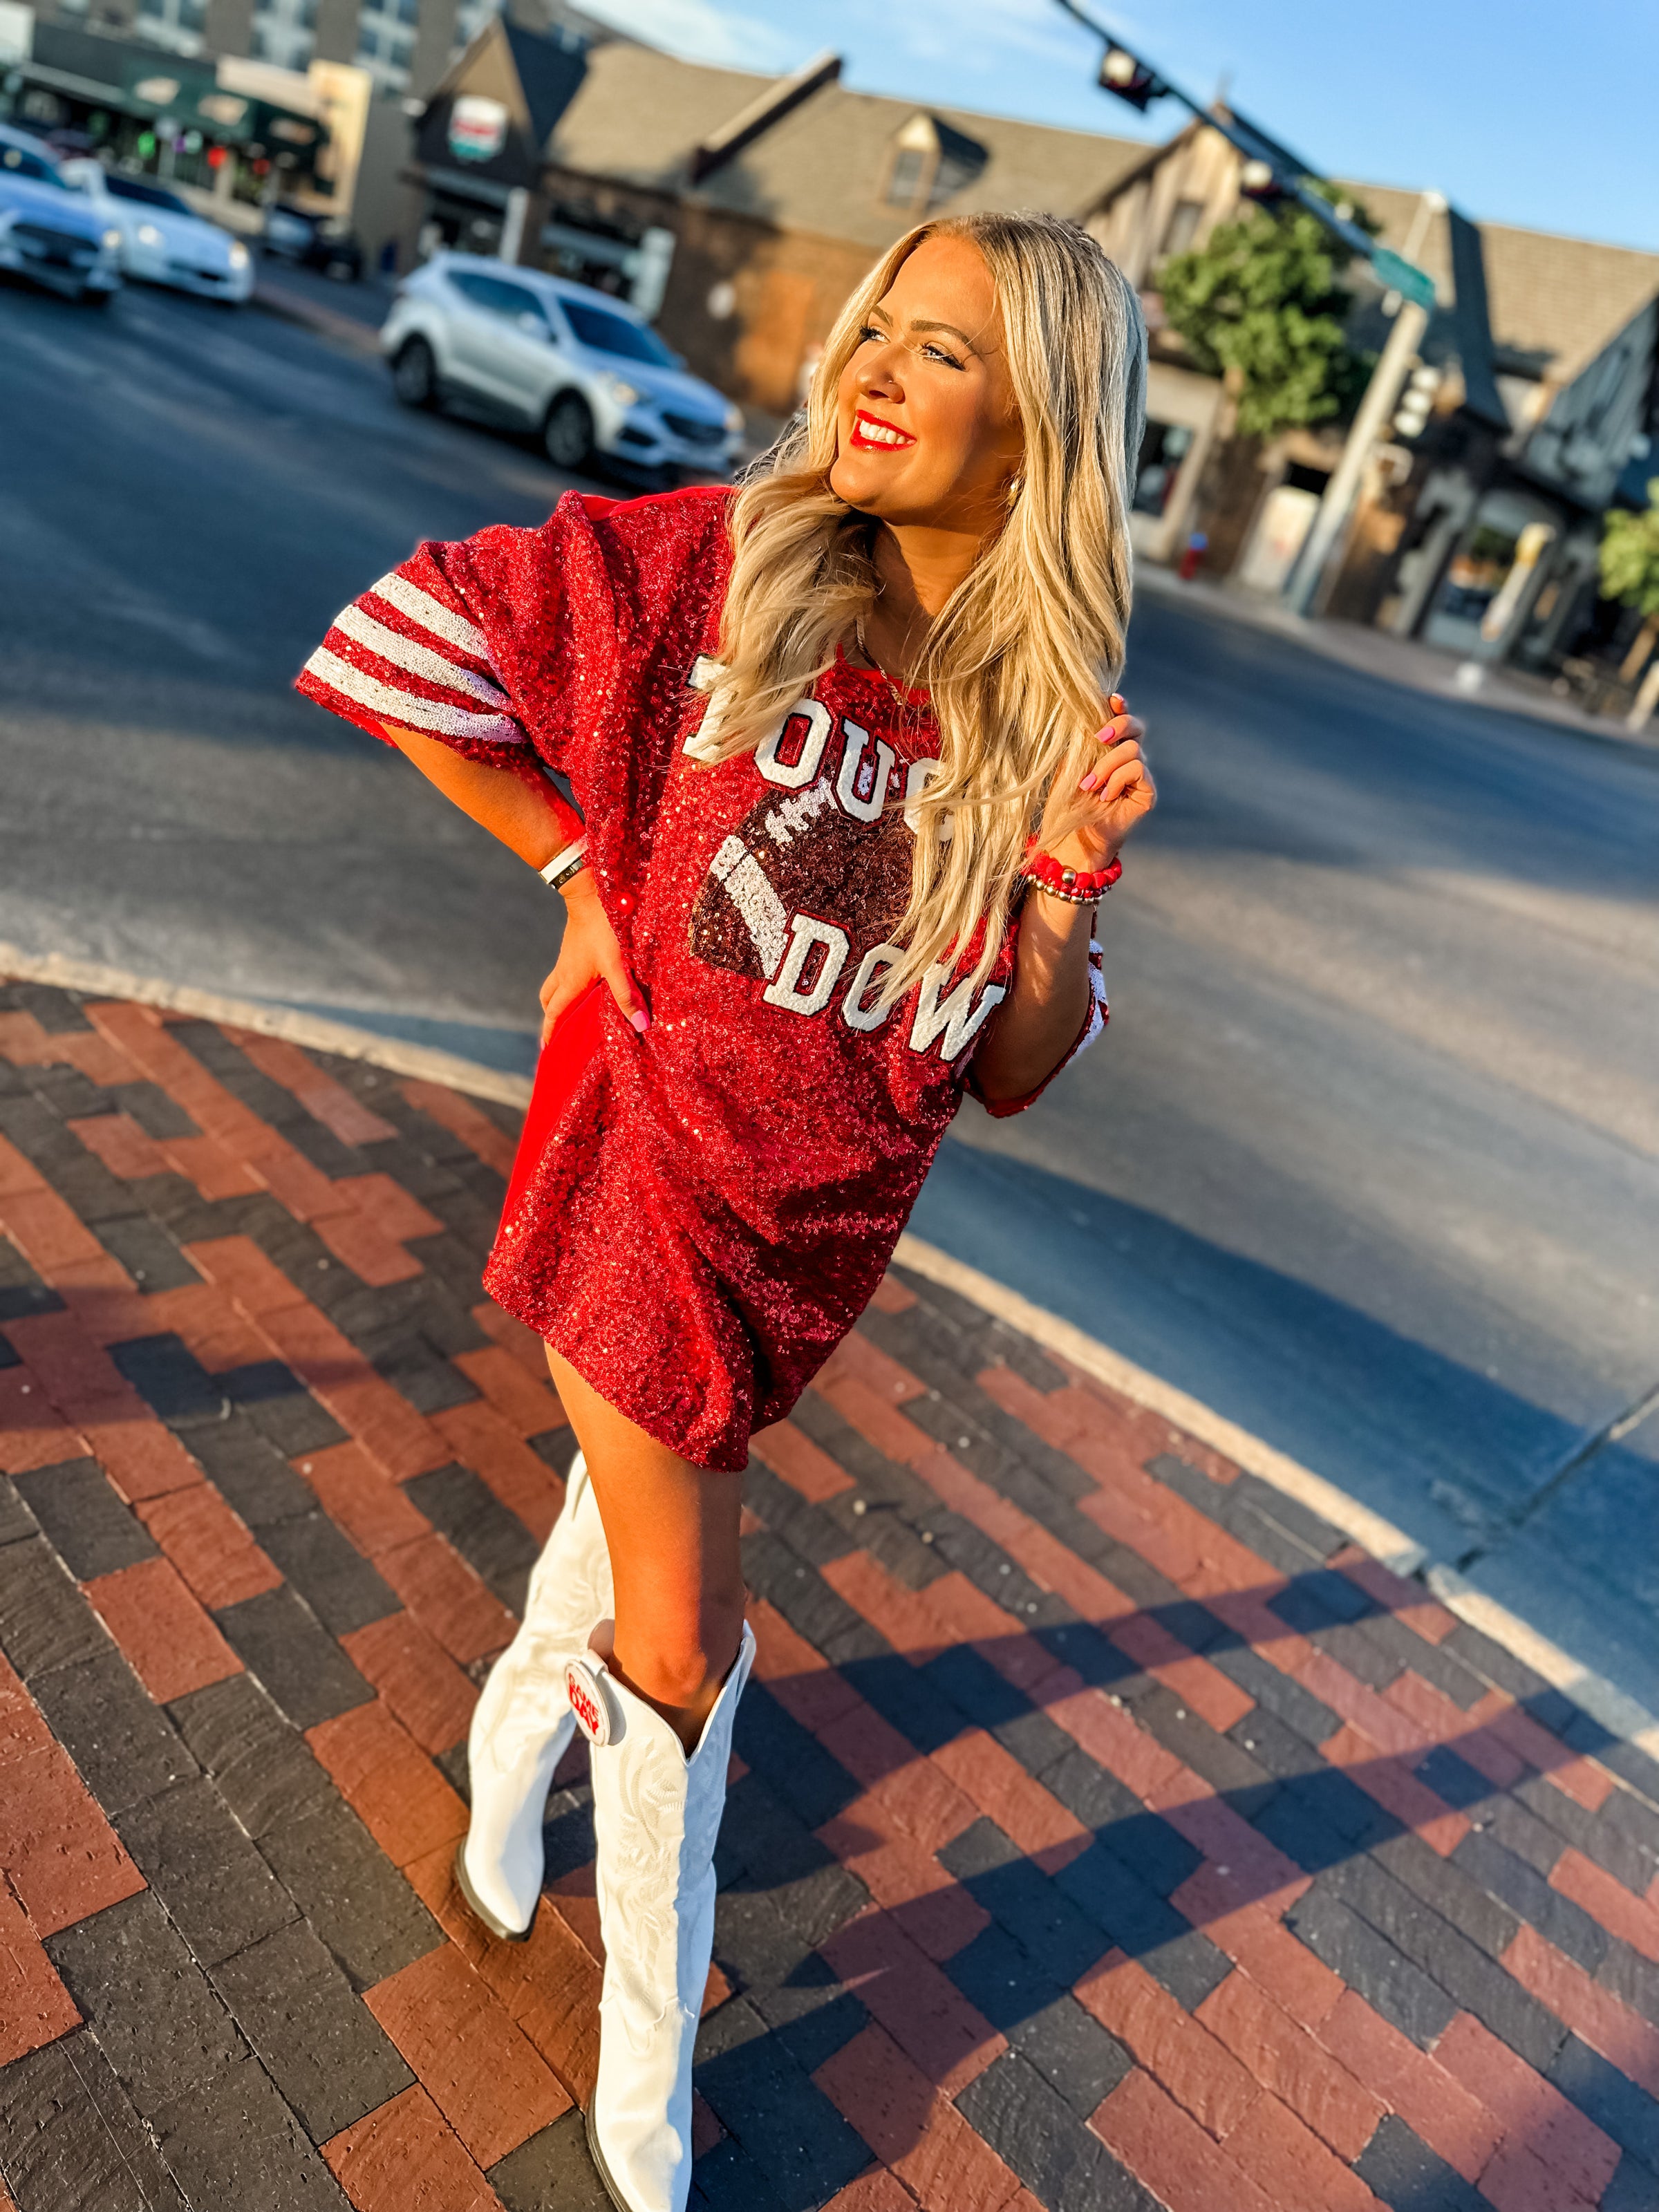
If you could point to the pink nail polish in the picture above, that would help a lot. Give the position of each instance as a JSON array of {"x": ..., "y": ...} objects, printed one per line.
[
  {"x": 639, "y": 1020},
  {"x": 1087, "y": 784}
]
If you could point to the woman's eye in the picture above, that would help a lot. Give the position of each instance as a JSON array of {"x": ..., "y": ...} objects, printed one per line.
[
  {"x": 938, "y": 353},
  {"x": 867, "y": 332}
]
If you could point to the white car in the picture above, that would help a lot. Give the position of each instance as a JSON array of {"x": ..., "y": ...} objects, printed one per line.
[
  {"x": 163, "y": 241},
  {"x": 584, "y": 370},
  {"x": 46, "y": 232}
]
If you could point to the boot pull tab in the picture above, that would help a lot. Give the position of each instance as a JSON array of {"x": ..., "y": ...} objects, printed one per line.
[{"x": 585, "y": 1686}]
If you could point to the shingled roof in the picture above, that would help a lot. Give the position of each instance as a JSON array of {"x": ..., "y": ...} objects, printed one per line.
[
  {"x": 1554, "y": 303},
  {"x": 641, "y": 116}
]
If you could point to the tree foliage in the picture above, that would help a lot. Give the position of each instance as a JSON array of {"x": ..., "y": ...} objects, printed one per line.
[
  {"x": 1262, "y": 298},
  {"x": 1630, "y": 556}
]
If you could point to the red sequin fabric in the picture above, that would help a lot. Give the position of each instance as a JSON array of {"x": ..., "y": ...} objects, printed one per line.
[{"x": 720, "y": 1197}]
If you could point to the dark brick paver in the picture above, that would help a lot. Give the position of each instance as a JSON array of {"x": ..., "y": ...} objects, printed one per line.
[{"x": 1105, "y": 1832}]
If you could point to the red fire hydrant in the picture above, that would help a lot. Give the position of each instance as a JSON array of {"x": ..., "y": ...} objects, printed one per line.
[{"x": 1188, "y": 567}]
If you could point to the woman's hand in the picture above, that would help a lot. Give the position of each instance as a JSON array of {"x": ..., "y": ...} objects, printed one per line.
[
  {"x": 1086, "y": 829},
  {"x": 589, "y": 949}
]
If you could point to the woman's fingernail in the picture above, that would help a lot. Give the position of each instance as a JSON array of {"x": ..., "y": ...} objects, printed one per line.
[
  {"x": 639, "y": 1020},
  {"x": 1116, "y": 702},
  {"x": 1087, "y": 784}
]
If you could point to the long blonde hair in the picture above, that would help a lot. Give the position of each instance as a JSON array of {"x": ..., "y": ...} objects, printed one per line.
[{"x": 1021, "y": 656}]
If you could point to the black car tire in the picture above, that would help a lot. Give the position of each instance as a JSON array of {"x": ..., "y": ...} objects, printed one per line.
[
  {"x": 568, "y": 433},
  {"x": 415, "y": 374}
]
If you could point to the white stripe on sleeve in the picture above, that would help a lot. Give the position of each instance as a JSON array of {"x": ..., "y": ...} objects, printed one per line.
[
  {"x": 420, "y": 659},
  {"x": 432, "y": 615},
  {"x": 406, "y": 708}
]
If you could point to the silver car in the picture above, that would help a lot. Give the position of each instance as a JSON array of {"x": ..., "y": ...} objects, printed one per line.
[{"x": 584, "y": 370}]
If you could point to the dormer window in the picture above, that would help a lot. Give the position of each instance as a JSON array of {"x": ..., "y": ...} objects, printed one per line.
[{"x": 931, "y": 163}]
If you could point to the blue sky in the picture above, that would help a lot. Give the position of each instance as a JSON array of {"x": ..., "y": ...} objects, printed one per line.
[{"x": 1519, "y": 111}]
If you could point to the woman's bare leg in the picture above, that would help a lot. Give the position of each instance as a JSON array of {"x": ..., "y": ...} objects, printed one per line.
[{"x": 672, "y": 1530}]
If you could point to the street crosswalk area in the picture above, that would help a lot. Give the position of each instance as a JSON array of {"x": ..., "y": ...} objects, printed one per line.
[{"x": 1105, "y": 1832}]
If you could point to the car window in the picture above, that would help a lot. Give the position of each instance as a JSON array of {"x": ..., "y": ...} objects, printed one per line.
[
  {"x": 16, "y": 163},
  {"x": 496, "y": 295},
  {"x": 128, "y": 188},
  {"x": 614, "y": 334}
]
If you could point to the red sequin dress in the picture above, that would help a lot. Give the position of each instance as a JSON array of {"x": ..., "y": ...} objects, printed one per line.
[{"x": 721, "y": 1196}]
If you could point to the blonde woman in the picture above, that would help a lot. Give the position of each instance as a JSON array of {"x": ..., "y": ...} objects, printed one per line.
[{"x": 819, "y": 769}]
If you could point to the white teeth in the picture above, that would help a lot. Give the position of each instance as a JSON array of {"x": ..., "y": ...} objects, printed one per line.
[{"x": 879, "y": 434}]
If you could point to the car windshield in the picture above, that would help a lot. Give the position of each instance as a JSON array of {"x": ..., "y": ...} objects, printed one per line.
[
  {"x": 607, "y": 333},
  {"x": 15, "y": 162},
  {"x": 128, "y": 188}
]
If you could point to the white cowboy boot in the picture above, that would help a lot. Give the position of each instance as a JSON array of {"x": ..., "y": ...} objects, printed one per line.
[
  {"x": 656, "y": 1814},
  {"x": 522, "y": 1724}
]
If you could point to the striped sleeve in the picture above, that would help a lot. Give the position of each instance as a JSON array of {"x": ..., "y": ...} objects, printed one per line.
[
  {"x": 1094, "y": 1022},
  {"x": 408, "y": 652}
]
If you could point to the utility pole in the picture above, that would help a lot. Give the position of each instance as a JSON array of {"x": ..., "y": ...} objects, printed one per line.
[
  {"x": 1271, "y": 170},
  {"x": 1330, "y": 524}
]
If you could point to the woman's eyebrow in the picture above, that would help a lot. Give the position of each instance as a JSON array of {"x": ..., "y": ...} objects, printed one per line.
[{"x": 951, "y": 329}]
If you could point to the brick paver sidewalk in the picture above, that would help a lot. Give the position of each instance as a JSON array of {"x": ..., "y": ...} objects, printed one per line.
[{"x": 1104, "y": 1834}]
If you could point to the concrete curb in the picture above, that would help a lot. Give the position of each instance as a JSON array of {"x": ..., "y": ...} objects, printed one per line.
[
  {"x": 345, "y": 329},
  {"x": 425, "y": 1062},
  {"x": 1602, "y": 1700}
]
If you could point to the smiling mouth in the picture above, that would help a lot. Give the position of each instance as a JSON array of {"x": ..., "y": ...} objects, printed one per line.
[{"x": 871, "y": 434}]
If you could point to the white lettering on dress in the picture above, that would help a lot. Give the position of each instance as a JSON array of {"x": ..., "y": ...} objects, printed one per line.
[
  {"x": 917, "y": 777},
  {"x": 784, "y": 989},
  {"x": 952, "y": 1015},
  {"x": 868, "y": 808},
  {"x": 874, "y": 965},
  {"x": 791, "y": 774},
  {"x": 702, "y": 741}
]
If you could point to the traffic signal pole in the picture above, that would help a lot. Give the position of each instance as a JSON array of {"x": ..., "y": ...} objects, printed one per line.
[
  {"x": 1279, "y": 173},
  {"x": 1330, "y": 525}
]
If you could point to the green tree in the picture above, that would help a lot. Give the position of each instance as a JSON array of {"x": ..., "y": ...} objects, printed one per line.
[
  {"x": 1261, "y": 298},
  {"x": 1630, "y": 571}
]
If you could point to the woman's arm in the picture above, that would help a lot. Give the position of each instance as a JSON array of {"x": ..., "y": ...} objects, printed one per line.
[
  {"x": 511, "y": 809},
  {"x": 505, "y": 803},
  {"x": 1043, "y": 1017}
]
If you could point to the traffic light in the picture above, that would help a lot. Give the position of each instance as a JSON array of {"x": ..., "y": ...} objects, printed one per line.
[
  {"x": 1260, "y": 181},
  {"x": 1417, "y": 402},
  {"x": 1131, "y": 80}
]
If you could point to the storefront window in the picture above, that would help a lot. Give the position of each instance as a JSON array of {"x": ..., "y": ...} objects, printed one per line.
[{"x": 1164, "y": 448}]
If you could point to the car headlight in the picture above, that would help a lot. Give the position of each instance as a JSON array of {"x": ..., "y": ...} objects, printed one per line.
[
  {"x": 113, "y": 239},
  {"x": 237, "y": 254},
  {"x": 734, "y": 421},
  {"x": 622, "y": 392}
]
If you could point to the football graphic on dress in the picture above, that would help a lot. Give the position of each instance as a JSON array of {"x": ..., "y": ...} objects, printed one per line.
[{"x": 827, "y": 842}]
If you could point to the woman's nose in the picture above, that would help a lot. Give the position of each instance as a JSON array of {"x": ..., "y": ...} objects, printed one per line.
[{"x": 878, "y": 375}]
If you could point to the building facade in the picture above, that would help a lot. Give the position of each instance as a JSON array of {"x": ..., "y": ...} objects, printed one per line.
[
  {"x": 1478, "y": 526},
  {"x": 739, "y": 209}
]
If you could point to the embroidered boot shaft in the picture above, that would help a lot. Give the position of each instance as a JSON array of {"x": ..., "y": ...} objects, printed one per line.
[
  {"x": 522, "y": 1725},
  {"x": 656, "y": 1815}
]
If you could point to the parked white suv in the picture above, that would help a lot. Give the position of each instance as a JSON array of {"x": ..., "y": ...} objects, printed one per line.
[{"x": 583, "y": 368}]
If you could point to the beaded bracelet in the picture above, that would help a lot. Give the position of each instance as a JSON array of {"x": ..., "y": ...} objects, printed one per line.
[{"x": 1077, "y": 886}]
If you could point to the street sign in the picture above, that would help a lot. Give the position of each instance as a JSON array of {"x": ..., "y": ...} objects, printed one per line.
[{"x": 1398, "y": 275}]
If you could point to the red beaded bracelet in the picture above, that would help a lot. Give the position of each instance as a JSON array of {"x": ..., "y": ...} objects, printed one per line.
[{"x": 1079, "y": 886}]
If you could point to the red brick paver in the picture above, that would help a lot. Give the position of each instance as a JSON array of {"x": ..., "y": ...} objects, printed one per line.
[{"x": 1042, "y": 1883}]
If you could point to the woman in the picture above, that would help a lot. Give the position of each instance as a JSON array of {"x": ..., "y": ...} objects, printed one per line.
[{"x": 817, "y": 768}]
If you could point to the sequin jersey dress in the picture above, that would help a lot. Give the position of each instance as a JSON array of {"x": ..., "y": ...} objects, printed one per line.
[{"x": 720, "y": 1196}]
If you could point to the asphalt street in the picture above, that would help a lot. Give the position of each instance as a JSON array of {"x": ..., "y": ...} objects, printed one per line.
[{"x": 1369, "y": 1157}]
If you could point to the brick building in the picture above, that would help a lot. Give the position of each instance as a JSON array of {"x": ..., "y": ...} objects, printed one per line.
[{"x": 774, "y": 194}]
